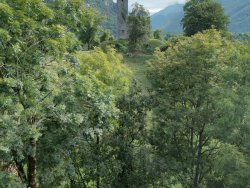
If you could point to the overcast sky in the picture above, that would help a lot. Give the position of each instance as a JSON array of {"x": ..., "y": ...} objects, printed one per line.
[{"x": 154, "y": 5}]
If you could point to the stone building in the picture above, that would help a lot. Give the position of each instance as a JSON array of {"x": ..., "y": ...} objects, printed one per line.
[{"x": 122, "y": 12}]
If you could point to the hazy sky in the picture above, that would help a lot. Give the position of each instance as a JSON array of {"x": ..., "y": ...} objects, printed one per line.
[{"x": 154, "y": 5}]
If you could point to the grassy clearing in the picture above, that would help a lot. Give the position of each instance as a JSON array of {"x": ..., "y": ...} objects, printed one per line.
[{"x": 138, "y": 65}]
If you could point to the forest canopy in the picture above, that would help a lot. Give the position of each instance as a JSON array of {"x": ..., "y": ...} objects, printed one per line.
[{"x": 71, "y": 118}]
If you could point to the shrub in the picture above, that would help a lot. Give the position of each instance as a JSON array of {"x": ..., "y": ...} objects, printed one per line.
[{"x": 149, "y": 48}]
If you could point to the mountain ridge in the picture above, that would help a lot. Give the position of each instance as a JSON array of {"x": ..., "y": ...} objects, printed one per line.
[
  {"x": 108, "y": 8},
  {"x": 169, "y": 18}
]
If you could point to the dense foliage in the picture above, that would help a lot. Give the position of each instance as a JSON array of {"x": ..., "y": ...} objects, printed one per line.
[
  {"x": 71, "y": 118},
  {"x": 169, "y": 35},
  {"x": 106, "y": 8},
  {"x": 158, "y": 34},
  {"x": 138, "y": 22},
  {"x": 241, "y": 37},
  {"x": 201, "y": 109},
  {"x": 47, "y": 93},
  {"x": 200, "y": 15}
]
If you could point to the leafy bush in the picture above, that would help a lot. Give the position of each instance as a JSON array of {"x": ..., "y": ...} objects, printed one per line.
[
  {"x": 122, "y": 46},
  {"x": 119, "y": 45},
  {"x": 150, "y": 47},
  {"x": 95, "y": 42},
  {"x": 173, "y": 41},
  {"x": 105, "y": 36},
  {"x": 112, "y": 38}
]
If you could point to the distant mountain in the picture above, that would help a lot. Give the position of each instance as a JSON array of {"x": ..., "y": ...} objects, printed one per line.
[{"x": 169, "y": 18}]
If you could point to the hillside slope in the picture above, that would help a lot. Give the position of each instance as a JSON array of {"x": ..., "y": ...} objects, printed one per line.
[
  {"x": 169, "y": 18},
  {"x": 108, "y": 8}
]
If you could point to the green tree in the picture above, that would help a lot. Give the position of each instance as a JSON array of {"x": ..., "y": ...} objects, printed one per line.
[
  {"x": 139, "y": 26},
  {"x": 26, "y": 42},
  {"x": 87, "y": 163},
  {"x": 157, "y": 34},
  {"x": 105, "y": 36},
  {"x": 71, "y": 13},
  {"x": 112, "y": 38},
  {"x": 46, "y": 99},
  {"x": 168, "y": 36},
  {"x": 151, "y": 35},
  {"x": 76, "y": 17},
  {"x": 192, "y": 109},
  {"x": 108, "y": 8},
  {"x": 173, "y": 41},
  {"x": 126, "y": 153},
  {"x": 200, "y": 15},
  {"x": 91, "y": 29}
]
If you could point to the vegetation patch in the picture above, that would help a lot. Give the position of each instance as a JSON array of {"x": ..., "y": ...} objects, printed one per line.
[
  {"x": 119, "y": 45},
  {"x": 151, "y": 46},
  {"x": 138, "y": 65}
]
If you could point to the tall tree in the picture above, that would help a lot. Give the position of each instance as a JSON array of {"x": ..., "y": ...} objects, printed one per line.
[
  {"x": 43, "y": 96},
  {"x": 70, "y": 13},
  {"x": 190, "y": 91},
  {"x": 105, "y": 35},
  {"x": 91, "y": 29},
  {"x": 138, "y": 22},
  {"x": 27, "y": 76},
  {"x": 131, "y": 156},
  {"x": 157, "y": 34},
  {"x": 200, "y": 15},
  {"x": 98, "y": 77}
]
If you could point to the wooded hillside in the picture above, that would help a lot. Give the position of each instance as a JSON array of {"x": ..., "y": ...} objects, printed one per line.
[{"x": 108, "y": 8}]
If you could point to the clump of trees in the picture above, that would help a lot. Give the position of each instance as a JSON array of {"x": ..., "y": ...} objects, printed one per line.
[
  {"x": 158, "y": 34},
  {"x": 241, "y": 37},
  {"x": 74, "y": 119},
  {"x": 201, "y": 111},
  {"x": 106, "y": 36},
  {"x": 200, "y": 15},
  {"x": 138, "y": 22},
  {"x": 48, "y": 96},
  {"x": 169, "y": 35}
]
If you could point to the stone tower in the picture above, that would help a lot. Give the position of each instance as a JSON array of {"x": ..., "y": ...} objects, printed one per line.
[{"x": 122, "y": 12}]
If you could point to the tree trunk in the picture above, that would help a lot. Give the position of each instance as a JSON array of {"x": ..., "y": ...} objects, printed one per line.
[
  {"x": 21, "y": 172},
  {"x": 197, "y": 173},
  {"x": 193, "y": 154},
  {"x": 72, "y": 184},
  {"x": 89, "y": 45},
  {"x": 98, "y": 162},
  {"x": 32, "y": 165},
  {"x": 19, "y": 167}
]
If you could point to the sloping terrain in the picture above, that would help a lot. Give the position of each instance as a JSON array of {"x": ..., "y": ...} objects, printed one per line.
[
  {"x": 169, "y": 18},
  {"x": 108, "y": 8},
  {"x": 105, "y": 7}
]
